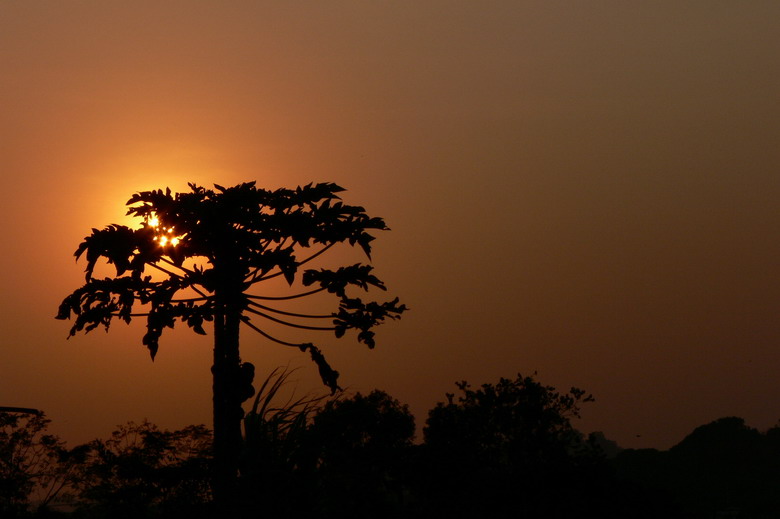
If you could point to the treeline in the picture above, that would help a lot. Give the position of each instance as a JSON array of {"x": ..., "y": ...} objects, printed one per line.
[
  {"x": 507, "y": 449},
  {"x": 722, "y": 469}
]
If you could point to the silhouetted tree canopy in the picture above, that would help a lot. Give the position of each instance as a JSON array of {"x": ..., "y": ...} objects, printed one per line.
[
  {"x": 142, "y": 471},
  {"x": 35, "y": 466},
  {"x": 516, "y": 421},
  {"x": 506, "y": 448},
  {"x": 721, "y": 468},
  {"x": 362, "y": 452},
  {"x": 238, "y": 236}
]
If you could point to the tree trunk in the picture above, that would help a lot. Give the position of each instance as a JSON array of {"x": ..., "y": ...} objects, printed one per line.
[{"x": 228, "y": 412}]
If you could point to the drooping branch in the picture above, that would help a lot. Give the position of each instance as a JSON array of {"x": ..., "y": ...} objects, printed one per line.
[
  {"x": 291, "y": 325},
  {"x": 178, "y": 276},
  {"x": 199, "y": 292},
  {"x": 285, "y": 298},
  {"x": 291, "y": 314},
  {"x": 329, "y": 376},
  {"x": 247, "y": 322}
]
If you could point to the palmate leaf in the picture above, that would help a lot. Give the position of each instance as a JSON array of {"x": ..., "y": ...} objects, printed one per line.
[
  {"x": 98, "y": 301},
  {"x": 116, "y": 243},
  {"x": 125, "y": 248},
  {"x": 337, "y": 281},
  {"x": 166, "y": 314},
  {"x": 355, "y": 314}
]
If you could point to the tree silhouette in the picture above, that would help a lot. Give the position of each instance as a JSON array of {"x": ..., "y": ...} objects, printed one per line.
[
  {"x": 35, "y": 466},
  {"x": 362, "y": 450},
  {"x": 142, "y": 471},
  {"x": 208, "y": 249},
  {"x": 506, "y": 449}
]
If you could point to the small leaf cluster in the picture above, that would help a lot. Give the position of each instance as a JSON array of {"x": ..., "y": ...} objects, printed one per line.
[{"x": 353, "y": 313}]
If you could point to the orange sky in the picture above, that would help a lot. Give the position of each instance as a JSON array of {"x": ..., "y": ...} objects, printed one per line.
[{"x": 584, "y": 189}]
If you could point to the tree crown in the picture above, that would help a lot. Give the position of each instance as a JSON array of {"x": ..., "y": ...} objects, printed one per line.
[{"x": 212, "y": 246}]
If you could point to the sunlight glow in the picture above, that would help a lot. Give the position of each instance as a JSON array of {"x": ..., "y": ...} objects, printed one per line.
[{"x": 165, "y": 236}]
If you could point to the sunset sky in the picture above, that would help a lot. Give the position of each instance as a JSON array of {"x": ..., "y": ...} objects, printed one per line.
[{"x": 585, "y": 189}]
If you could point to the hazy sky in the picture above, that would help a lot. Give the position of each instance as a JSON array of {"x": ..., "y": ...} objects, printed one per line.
[{"x": 588, "y": 190}]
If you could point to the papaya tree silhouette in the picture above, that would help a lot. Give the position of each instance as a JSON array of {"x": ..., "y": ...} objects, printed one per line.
[{"x": 210, "y": 247}]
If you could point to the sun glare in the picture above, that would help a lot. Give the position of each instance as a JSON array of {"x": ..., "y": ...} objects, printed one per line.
[
  {"x": 168, "y": 240},
  {"x": 164, "y": 236}
]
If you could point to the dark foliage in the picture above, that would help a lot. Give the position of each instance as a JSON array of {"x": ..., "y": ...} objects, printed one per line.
[
  {"x": 362, "y": 447},
  {"x": 722, "y": 469},
  {"x": 143, "y": 472},
  {"x": 342, "y": 458},
  {"x": 35, "y": 467},
  {"x": 277, "y": 475},
  {"x": 508, "y": 448},
  {"x": 503, "y": 450}
]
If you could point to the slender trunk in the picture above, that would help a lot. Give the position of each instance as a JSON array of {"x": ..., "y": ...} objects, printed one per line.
[{"x": 227, "y": 399}]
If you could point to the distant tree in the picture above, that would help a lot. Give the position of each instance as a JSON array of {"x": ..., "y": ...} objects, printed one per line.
[
  {"x": 361, "y": 446},
  {"x": 610, "y": 448},
  {"x": 646, "y": 488},
  {"x": 35, "y": 467},
  {"x": 716, "y": 468},
  {"x": 211, "y": 247},
  {"x": 721, "y": 469},
  {"x": 142, "y": 471},
  {"x": 507, "y": 448}
]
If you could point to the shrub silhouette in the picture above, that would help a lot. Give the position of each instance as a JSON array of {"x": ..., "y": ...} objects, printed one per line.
[{"x": 277, "y": 472}]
